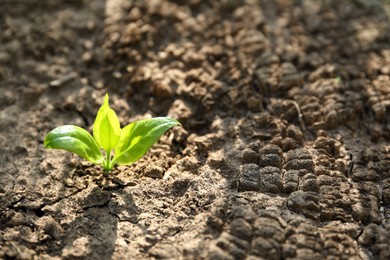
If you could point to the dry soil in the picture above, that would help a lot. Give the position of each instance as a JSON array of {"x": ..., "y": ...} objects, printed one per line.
[{"x": 284, "y": 151}]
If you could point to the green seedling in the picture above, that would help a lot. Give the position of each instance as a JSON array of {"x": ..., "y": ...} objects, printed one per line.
[
  {"x": 127, "y": 144},
  {"x": 337, "y": 80}
]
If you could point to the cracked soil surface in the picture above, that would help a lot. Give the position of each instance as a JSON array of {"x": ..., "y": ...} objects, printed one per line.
[{"x": 284, "y": 151}]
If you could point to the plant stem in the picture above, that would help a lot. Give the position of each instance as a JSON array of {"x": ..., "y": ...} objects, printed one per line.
[
  {"x": 113, "y": 161},
  {"x": 107, "y": 163}
]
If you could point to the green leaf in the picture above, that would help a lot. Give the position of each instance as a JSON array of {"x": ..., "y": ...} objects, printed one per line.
[
  {"x": 76, "y": 140},
  {"x": 106, "y": 129},
  {"x": 137, "y": 137}
]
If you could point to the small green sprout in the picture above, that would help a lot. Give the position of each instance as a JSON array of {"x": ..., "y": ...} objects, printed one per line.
[
  {"x": 129, "y": 143},
  {"x": 337, "y": 80}
]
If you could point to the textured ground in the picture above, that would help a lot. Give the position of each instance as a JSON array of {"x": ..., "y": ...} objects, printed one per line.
[{"x": 284, "y": 151}]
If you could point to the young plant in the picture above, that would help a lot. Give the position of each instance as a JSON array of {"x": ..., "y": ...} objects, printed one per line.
[{"x": 129, "y": 143}]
